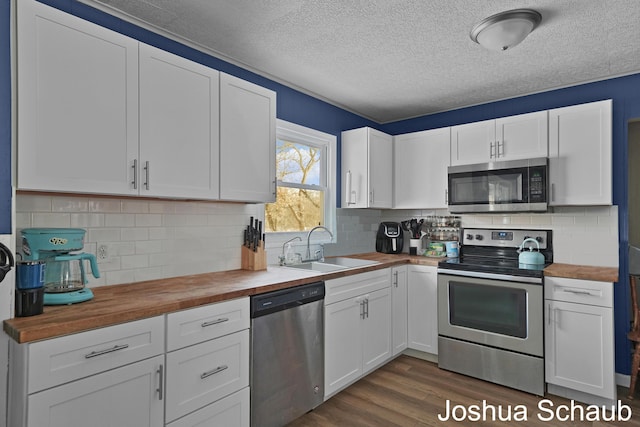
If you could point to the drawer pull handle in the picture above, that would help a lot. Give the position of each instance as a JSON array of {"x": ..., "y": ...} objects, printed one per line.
[
  {"x": 106, "y": 351},
  {"x": 213, "y": 371},
  {"x": 573, "y": 291},
  {"x": 160, "y": 382},
  {"x": 215, "y": 322}
]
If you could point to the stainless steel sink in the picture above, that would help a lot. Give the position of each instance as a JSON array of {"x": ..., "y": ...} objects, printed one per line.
[
  {"x": 332, "y": 264},
  {"x": 317, "y": 266}
]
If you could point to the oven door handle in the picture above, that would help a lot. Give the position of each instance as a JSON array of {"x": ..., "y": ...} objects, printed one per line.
[{"x": 482, "y": 275}]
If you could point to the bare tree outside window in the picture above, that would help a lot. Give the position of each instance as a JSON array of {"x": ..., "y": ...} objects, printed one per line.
[{"x": 300, "y": 197}]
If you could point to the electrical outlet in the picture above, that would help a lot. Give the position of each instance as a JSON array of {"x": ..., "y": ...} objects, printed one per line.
[{"x": 103, "y": 252}]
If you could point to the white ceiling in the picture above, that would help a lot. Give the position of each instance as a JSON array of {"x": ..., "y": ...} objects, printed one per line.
[{"x": 389, "y": 60}]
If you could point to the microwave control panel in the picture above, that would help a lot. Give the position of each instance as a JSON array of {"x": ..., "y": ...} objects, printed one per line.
[{"x": 538, "y": 184}]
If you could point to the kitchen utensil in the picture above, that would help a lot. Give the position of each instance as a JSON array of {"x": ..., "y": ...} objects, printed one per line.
[{"x": 530, "y": 257}]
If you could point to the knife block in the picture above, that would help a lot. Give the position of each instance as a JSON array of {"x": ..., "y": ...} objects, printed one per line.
[{"x": 254, "y": 260}]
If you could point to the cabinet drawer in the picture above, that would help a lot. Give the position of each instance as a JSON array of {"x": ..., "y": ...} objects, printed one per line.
[
  {"x": 579, "y": 291},
  {"x": 203, "y": 373},
  {"x": 358, "y": 284},
  {"x": 231, "y": 411},
  {"x": 201, "y": 324},
  {"x": 68, "y": 358}
]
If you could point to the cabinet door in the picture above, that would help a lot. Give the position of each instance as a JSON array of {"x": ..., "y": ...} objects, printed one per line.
[
  {"x": 355, "y": 191},
  {"x": 422, "y": 296},
  {"x": 78, "y": 109},
  {"x": 130, "y": 396},
  {"x": 247, "y": 141},
  {"x": 580, "y": 154},
  {"x": 367, "y": 169},
  {"x": 473, "y": 143},
  {"x": 420, "y": 169},
  {"x": 179, "y": 126},
  {"x": 524, "y": 136},
  {"x": 399, "y": 308},
  {"x": 579, "y": 352},
  {"x": 380, "y": 170},
  {"x": 342, "y": 344},
  {"x": 376, "y": 341}
]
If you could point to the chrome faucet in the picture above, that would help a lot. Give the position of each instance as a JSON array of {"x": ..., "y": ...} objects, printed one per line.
[
  {"x": 282, "y": 259},
  {"x": 309, "y": 236}
]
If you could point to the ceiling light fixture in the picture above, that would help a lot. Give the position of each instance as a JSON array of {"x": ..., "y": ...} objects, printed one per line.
[{"x": 504, "y": 30}]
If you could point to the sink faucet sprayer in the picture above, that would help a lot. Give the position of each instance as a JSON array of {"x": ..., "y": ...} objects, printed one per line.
[
  {"x": 309, "y": 236},
  {"x": 283, "y": 257}
]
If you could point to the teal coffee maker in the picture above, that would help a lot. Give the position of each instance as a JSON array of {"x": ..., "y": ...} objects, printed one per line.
[{"x": 65, "y": 275}]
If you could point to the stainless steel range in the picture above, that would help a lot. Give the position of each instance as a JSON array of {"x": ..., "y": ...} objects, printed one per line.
[{"x": 490, "y": 309}]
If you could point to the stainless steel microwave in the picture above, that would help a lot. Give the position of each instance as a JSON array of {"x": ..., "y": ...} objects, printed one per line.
[{"x": 510, "y": 186}]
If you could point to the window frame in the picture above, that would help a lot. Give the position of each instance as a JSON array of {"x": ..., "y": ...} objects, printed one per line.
[{"x": 328, "y": 168}]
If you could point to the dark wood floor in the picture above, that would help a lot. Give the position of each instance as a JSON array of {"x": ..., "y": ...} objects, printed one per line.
[{"x": 412, "y": 392}]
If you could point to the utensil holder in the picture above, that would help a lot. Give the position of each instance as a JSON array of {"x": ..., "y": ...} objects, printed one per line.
[{"x": 254, "y": 260}]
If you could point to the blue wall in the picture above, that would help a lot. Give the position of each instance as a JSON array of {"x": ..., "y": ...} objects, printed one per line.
[
  {"x": 625, "y": 92},
  {"x": 299, "y": 108},
  {"x": 5, "y": 118}
]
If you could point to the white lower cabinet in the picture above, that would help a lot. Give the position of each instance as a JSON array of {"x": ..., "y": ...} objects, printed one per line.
[
  {"x": 112, "y": 377},
  {"x": 357, "y": 328},
  {"x": 209, "y": 365},
  {"x": 130, "y": 396},
  {"x": 125, "y": 376},
  {"x": 579, "y": 348},
  {"x": 422, "y": 297}
]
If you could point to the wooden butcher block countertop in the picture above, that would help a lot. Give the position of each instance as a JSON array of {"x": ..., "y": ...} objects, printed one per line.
[{"x": 124, "y": 303}]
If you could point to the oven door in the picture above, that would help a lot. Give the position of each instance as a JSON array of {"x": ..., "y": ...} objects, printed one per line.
[{"x": 497, "y": 313}]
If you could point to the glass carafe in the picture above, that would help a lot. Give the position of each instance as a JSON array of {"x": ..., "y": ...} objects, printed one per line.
[{"x": 66, "y": 273}]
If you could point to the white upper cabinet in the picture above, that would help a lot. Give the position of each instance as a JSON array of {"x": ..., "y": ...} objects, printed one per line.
[
  {"x": 101, "y": 113},
  {"x": 523, "y": 136},
  {"x": 179, "y": 127},
  {"x": 367, "y": 169},
  {"x": 420, "y": 169},
  {"x": 580, "y": 140},
  {"x": 247, "y": 141},
  {"x": 78, "y": 103}
]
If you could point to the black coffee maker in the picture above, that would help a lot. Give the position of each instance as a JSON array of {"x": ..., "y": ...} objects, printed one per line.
[{"x": 390, "y": 238}]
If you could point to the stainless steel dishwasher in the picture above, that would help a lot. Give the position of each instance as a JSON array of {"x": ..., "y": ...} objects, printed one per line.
[{"x": 287, "y": 354}]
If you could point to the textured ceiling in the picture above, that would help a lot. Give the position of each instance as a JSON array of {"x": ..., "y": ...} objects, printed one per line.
[{"x": 389, "y": 60}]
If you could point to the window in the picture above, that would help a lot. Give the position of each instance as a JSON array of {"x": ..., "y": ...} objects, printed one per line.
[{"x": 305, "y": 169}]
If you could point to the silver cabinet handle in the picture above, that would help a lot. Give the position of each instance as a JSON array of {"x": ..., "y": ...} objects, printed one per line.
[
  {"x": 366, "y": 307},
  {"x": 135, "y": 174},
  {"x": 106, "y": 351},
  {"x": 160, "y": 388},
  {"x": 395, "y": 278},
  {"x": 371, "y": 196},
  {"x": 491, "y": 150},
  {"x": 573, "y": 291},
  {"x": 553, "y": 192},
  {"x": 350, "y": 193},
  {"x": 500, "y": 144},
  {"x": 146, "y": 174},
  {"x": 214, "y": 322},
  {"x": 213, "y": 371}
]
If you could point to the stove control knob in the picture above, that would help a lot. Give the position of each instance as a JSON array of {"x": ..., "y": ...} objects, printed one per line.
[
  {"x": 469, "y": 237},
  {"x": 478, "y": 236},
  {"x": 527, "y": 237},
  {"x": 539, "y": 239}
]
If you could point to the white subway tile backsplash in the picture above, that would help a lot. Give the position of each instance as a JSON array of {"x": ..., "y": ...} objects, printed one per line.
[
  {"x": 33, "y": 203},
  {"x": 41, "y": 219},
  {"x": 69, "y": 204},
  {"x": 120, "y": 220},
  {"x": 104, "y": 205},
  {"x": 85, "y": 220}
]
